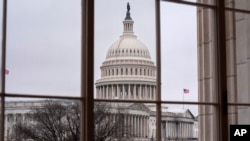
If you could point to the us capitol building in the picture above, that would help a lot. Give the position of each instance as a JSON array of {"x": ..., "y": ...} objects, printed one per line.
[{"x": 128, "y": 73}]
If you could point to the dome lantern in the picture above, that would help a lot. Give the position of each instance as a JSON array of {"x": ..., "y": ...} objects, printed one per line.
[{"x": 128, "y": 23}]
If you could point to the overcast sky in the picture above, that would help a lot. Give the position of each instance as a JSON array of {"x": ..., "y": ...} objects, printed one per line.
[{"x": 43, "y": 44}]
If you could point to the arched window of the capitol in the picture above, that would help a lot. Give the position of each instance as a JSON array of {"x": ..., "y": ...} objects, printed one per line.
[{"x": 43, "y": 47}]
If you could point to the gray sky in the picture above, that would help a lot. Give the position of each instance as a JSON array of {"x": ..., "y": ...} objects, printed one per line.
[
  {"x": 43, "y": 47},
  {"x": 43, "y": 44}
]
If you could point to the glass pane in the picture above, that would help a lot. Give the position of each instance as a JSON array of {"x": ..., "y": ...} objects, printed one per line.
[
  {"x": 237, "y": 4},
  {"x": 43, "y": 47},
  {"x": 239, "y": 115},
  {"x": 124, "y": 121},
  {"x": 49, "y": 119},
  {"x": 125, "y": 59},
  {"x": 238, "y": 37},
  {"x": 188, "y": 122},
  {"x": 179, "y": 123},
  {"x": 187, "y": 57}
]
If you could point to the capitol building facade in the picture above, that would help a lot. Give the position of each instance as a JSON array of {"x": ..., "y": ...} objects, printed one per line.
[{"x": 128, "y": 73}]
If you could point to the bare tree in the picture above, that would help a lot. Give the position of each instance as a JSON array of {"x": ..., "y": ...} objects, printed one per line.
[
  {"x": 60, "y": 121},
  {"x": 53, "y": 121},
  {"x": 110, "y": 123}
]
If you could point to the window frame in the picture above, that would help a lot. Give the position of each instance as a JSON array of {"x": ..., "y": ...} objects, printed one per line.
[{"x": 87, "y": 70}]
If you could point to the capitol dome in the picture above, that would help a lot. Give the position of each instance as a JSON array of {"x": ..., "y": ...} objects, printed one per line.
[
  {"x": 128, "y": 71},
  {"x": 130, "y": 47}
]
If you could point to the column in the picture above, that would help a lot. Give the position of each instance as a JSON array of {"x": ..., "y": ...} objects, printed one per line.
[
  {"x": 184, "y": 129},
  {"x": 147, "y": 127},
  {"x": 167, "y": 126},
  {"x": 118, "y": 91},
  {"x": 139, "y": 126},
  {"x": 123, "y": 92},
  {"x": 107, "y": 92},
  {"x": 146, "y": 92},
  {"x": 150, "y": 92},
  {"x": 132, "y": 125},
  {"x": 6, "y": 122},
  {"x": 180, "y": 129},
  {"x": 103, "y": 92},
  {"x": 134, "y": 93},
  {"x": 128, "y": 129},
  {"x": 129, "y": 93},
  {"x": 154, "y": 92},
  {"x": 138, "y": 129},
  {"x": 112, "y": 91},
  {"x": 124, "y": 126},
  {"x": 142, "y": 126},
  {"x": 139, "y": 92},
  {"x": 143, "y": 92},
  {"x": 135, "y": 125},
  {"x": 96, "y": 90},
  {"x": 140, "y": 123}
]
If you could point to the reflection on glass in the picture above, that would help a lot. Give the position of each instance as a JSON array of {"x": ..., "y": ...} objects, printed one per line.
[
  {"x": 207, "y": 123},
  {"x": 128, "y": 70},
  {"x": 43, "y": 47},
  {"x": 237, "y": 4},
  {"x": 48, "y": 119},
  {"x": 124, "y": 121},
  {"x": 238, "y": 115},
  {"x": 237, "y": 39}
]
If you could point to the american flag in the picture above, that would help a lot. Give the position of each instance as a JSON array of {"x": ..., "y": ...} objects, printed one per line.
[
  {"x": 7, "y": 71},
  {"x": 185, "y": 91}
]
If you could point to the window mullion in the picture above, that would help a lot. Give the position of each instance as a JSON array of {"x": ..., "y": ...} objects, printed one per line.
[
  {"x": 87, "y": 71},
  {"x": 158, "y": 64},
  {"x": 221, "y": 72},
  {"x": 3, "y": 67}
]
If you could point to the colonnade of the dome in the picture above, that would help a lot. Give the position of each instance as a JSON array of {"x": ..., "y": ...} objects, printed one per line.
[
  {"x": 128, "y": 52},
  {"x": 128, "y": 70},
  {"x": 126, "y": 91}
]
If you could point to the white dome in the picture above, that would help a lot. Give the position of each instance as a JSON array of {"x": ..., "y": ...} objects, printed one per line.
[{"x": 128, "y": 46}]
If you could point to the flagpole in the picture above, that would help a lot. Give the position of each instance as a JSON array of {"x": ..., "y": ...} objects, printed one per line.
[{"x": 183, "y": 100}]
